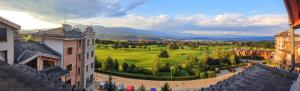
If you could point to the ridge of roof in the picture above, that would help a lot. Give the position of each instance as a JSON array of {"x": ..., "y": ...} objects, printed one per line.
[{"x": 9, "y": 23}]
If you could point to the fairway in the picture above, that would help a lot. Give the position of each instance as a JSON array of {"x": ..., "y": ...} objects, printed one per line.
[{"x": 144, "y": 57}]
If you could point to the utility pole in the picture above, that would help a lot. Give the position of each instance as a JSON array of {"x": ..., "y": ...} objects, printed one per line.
[
  {"x": 292, "y": 31},
  {"x": 65, "y": 20}
]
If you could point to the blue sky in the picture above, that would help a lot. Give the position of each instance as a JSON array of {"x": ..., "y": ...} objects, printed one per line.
[
  {"x": 184, "y": 17},
  {"x": 210, "y": 7}
]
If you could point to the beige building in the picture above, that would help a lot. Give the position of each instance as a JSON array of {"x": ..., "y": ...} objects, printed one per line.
[
  {"x": 7, "y": 31},
  {"x": 76, "y": 51},
  {"x": 282, "y": 54}
]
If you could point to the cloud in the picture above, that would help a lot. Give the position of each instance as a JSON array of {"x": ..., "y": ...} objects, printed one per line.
[
  {"x": 74, "y": 8},
  {"x": 112, "y": 13},
  {"x": 26, "y": 20},
  {"x": 222, "y": 24}
]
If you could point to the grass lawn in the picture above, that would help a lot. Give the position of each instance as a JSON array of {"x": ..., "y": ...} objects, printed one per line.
[{"x": 145, "y": 57}]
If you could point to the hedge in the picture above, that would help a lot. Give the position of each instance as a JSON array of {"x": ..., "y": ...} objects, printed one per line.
[
  {"x": 211, "y": 74},
  {"x": 145, "y": 77},
  {"x": 202, "y": 75}
]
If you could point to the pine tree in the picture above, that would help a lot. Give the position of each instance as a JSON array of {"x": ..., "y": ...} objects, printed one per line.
[
  {"x": 142, "y": 88},
  {"x": 166, "y": 87},
  {"x": 116, "y": 65}
]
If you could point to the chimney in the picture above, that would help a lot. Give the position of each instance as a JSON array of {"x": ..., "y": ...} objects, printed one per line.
[
  {"x": 67, "y": 27},
  {"x": 89, "y": 29}
]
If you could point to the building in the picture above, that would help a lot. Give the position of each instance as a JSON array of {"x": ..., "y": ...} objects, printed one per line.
[
  {"x": 7, "y": 31},
  {"x": 282, "y": 54},
  {"x": 76, "y": 52},
  {"x": 89, "y": 57}
]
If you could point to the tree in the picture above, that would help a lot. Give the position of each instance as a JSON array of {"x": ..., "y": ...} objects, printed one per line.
[
  {"x": 109, "y": 85},
  {"x": 125, "y": 67},
  {"x": 98, "y": 64},
  {"x": 166, "y": 67},
  {"x": 132, "y": 68},
  {"x": 232, "y": 59},
  {"x": 142, "y": 88},
  {"x": 204, "y": 58},
  {"x": 116, "y": 65},
  {"x": 215, "y": 54},
  {"x": 108, "y": 64},
  {"x": 164, "y": 54},
  {"x": 166, "y": 87},
  {"x": 156, "y": 67}
]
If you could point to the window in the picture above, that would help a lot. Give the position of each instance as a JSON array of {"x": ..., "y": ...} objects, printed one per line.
[
  {"x": 3, "y": 56},
  {"x": 48, "y": 64},
  {"x": 92, "y": 65},
  {"x": 88, "y": 42},
  {"x": 79, "y": 57},
  {"x": 91, "y": 78},
  {"x": 87, "y": 55},
  {"x": 93, "y": 41},
  {"x": 69, "y": 67},
  {"x": 70, "y": 49},
  {"x": 79, "y": 43},
  {"x": 78, "y": 71},
  {"x": 87, "y": 68},
  {"x": 68, "y": 82},
  {"x": 78, "y": 83},
  {"x": 92, "y": 54},
  {"x": 3, "y": 35}
]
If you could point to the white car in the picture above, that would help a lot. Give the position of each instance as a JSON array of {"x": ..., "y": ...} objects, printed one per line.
[
  {"x": 121, "y": 87},
  {"x": 101, "y": 85}
]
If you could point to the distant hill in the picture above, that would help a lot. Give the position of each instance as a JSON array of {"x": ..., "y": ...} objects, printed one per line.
[{"x": 124, "y": 33}]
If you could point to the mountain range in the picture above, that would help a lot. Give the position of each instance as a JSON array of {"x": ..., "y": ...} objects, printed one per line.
[{"x": 124, "y": 33}]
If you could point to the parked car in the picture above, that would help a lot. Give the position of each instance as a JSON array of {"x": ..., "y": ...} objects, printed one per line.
[
  {"x": 101, "y": 85},
  {"x": 121, "y": 87}
]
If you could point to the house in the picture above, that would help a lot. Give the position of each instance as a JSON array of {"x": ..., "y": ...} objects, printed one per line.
[
  {"x": 75, "y": 50},
  {"x": 7, "y": 31},
  {"x": 282, "y": 54},
  {"x": 41, "y": 58}
]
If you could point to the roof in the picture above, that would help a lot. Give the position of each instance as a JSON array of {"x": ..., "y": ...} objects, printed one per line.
[
  {"x": 63, "y": 32},
  {"x": 25, "y": 50},
  {"x": 257, "y": 78},
  {"x": 14, "y": 79},
  {"x": 285, "y": 34},
  {"x": 9, "y": 23},
  {"x": 55, "y": 72}
]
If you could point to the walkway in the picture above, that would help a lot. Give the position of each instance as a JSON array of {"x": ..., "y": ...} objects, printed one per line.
[{"x": 176, "y": 85}]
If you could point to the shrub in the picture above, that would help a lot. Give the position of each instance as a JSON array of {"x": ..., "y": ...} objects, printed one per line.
[
  {"x": 202, "y": 75},
  {"x": 147, "y": 77},
  {"x": 211, "y": 74}
]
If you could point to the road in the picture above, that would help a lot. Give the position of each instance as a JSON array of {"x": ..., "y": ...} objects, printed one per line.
[{"x": 175, "y": 85}]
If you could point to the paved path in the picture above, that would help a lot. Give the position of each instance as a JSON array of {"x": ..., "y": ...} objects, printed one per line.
[{"x": 176, "y": 85}]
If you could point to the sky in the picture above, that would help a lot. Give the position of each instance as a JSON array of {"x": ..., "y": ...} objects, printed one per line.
[{"x": 192, "y": 17}]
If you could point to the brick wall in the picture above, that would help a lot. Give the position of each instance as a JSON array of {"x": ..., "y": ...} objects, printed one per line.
[{"x": 72, "y": 59}]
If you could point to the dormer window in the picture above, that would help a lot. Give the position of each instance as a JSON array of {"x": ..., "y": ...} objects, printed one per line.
[{"x": 3, "y": 35}]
